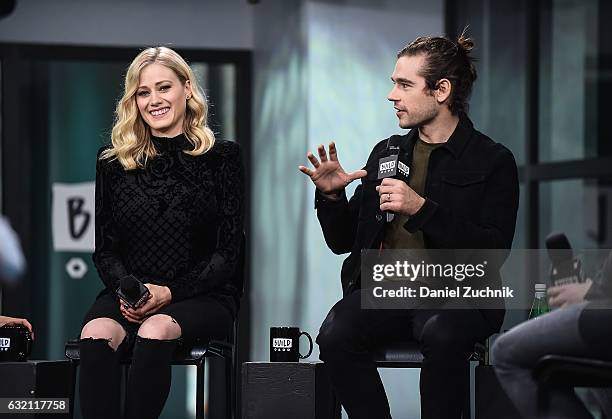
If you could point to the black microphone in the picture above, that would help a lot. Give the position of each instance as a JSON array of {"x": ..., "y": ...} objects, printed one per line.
[
  {"x": 393, "y": 166},
  {"x": 565, "y": 268},
  {"x": 132, "y": 292}
]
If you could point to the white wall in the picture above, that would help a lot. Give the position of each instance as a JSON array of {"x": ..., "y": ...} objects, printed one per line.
[
  {"x": 219, "y": 24},
  {"x": 322, "y": 73},
  {"x": 278, "y": 272}
]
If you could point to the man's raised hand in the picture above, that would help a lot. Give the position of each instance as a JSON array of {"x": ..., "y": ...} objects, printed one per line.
[{"x": 328, "y": 175}]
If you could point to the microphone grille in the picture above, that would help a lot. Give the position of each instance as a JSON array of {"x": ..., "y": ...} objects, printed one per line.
[{"x": 129, "y": 286}]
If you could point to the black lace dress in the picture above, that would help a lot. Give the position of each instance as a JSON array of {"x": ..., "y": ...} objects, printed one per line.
[{"x": 178, "y": 223}]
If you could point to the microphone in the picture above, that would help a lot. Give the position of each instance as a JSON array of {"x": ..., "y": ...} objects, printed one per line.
[
  {"x": 392, "y": 166},
  {"x": 565, "y": 268},
  {"x": 132, "y": 292}
]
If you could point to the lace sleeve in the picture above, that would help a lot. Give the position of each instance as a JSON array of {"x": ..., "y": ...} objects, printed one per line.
[
  {"x": 106, "y": 256},
  {"x": 218, "y": 269}
]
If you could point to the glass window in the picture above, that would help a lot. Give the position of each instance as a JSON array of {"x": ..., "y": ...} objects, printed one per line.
[
  {"x": 568, "y": 81},
  {"x": 497, "y": 103},
  {"x": 580, "y": 208}
]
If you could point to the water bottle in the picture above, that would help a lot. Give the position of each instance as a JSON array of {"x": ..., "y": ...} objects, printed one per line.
[{"x": 540, "y": 302}]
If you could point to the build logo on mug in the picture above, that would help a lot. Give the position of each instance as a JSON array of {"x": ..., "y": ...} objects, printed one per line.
[{"x": 285, "y": 346}]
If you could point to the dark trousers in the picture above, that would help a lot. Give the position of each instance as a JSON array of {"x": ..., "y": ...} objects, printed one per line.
[{"x": 446, "y": 338}]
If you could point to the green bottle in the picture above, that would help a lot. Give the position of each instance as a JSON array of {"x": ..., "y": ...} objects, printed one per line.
[{"x": 540, "y": 302}]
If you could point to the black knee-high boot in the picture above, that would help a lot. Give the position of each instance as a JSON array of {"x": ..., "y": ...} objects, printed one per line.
[
  {"x": 100, "y": 380},
  {"x": 150, "y": 377}
]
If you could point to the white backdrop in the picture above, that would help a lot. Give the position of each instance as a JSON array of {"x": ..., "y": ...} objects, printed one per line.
[{"x": 322, "y": 73}]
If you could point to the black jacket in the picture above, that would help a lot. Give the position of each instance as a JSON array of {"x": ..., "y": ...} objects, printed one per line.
[{"x": 471, "y": 201}]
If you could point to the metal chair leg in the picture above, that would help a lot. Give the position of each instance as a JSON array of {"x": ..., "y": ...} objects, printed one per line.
[
  {"x": 218, "y": 388},
  {"x": 71, "y": 401},
  {"x": 233, "y": 374},
  {"x": 200, "y": 389},
  {"x": 467, "y": 408},
  {"x": 229, "y": 388}
]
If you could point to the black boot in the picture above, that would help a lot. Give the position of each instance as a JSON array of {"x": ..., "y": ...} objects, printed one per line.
[
  {"x": 150, "y": 377},
  {"x": 100, "y": 380}
]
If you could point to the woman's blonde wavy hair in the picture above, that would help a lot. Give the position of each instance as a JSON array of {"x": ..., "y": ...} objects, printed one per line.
[{"x": 131, "y": 136}]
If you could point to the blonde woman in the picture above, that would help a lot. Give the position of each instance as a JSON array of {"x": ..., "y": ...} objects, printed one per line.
[{"x": 169, "y": 211}]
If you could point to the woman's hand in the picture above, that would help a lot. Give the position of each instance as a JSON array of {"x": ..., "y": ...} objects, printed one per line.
[
  {"x": 10, "y": 321},
  {"x": 159, "y": 297}
]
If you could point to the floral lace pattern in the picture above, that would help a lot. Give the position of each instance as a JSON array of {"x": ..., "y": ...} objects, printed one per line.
[{"x": 178, "y": 222}]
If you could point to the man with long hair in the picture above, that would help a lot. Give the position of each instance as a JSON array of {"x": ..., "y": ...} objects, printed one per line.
[{"x": 462, "y": 194}]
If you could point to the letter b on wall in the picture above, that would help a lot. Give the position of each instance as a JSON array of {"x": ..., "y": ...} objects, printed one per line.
[{"x": 73, "y": 216}]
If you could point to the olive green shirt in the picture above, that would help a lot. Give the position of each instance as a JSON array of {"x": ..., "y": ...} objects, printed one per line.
[{"x": 396, "y": 236}]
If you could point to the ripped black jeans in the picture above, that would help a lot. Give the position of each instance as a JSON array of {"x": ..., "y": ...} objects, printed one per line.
[{"x": 201, "y": 318}]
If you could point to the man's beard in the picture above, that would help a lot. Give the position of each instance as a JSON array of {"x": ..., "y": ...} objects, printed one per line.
[{"x": 420, "y": 118}]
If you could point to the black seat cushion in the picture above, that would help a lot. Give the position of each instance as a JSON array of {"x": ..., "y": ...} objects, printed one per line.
[
  {"x": 185, "y": 354},
  {"x": 408, "y": 355},
  {"x": 573, "y": 371}
]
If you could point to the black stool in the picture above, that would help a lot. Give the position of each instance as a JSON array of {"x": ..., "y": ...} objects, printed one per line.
[
  {"x": 570, "y": 371},
  {"x": 408, "y": 355}
]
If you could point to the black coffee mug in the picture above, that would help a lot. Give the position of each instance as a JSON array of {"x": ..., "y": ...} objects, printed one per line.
[{"x": 285, "y": 344}]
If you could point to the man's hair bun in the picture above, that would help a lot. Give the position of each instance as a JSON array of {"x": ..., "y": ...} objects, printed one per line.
[{"x": 464, "y": 42}]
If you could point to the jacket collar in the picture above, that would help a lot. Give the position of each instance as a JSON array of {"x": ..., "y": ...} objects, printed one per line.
[{"x": 455, "y": 144}]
